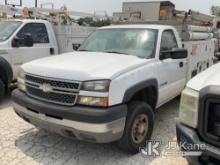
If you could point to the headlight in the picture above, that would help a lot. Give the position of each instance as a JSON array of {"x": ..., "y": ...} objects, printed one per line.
[
  {"x": 21, "y": 80},
  {"x": 189, "y": 107},
  {"x": 93, "y": 101},
  {"x": 99, "y": 86}
]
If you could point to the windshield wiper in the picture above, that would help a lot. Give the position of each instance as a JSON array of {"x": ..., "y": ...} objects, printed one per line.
[
  {"x": 115, "y": 52},
  {"x": 83, "y": 50}
]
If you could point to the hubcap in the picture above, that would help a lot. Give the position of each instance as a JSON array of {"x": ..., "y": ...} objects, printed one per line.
[{"x": 139, "y": 128}]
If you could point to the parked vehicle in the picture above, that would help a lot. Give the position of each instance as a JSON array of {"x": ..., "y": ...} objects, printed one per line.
[
  {"x": 109, "y": 89},
  {"x": 22, "y": 41},
  {"x": 200, "y": 115}
]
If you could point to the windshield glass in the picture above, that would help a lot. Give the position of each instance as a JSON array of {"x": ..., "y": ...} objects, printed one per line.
[
  {"x": 136, "y": 42},
  {"x": 7, "y": 28}
]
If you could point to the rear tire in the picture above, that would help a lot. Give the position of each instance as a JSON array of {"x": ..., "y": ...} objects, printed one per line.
[
  {"x": 6, "y": 71},
  {"x": 138, "y": 128},
  {"x": 2, "y": 90}
]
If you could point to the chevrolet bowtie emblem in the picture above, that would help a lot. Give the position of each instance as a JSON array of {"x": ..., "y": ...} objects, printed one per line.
[{"x": 47, "y": 88}]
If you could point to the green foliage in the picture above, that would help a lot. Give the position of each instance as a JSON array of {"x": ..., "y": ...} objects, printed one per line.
[
  {"x": 215, "y": 10},
  {"x": 89, "y": 21},
  {"x": 85, "y": 21},
  {"x": 101, "y": 23}
]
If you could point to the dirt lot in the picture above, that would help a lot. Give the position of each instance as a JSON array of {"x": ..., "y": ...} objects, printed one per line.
[{"x": 21, "y": 143}]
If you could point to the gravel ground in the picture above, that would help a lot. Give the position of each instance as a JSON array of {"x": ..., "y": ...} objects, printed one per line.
[{"x": 21, "y": 143}]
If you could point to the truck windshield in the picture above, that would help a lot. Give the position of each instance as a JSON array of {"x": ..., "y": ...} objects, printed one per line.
[
  {"x": 136, "y": 42},
  {"x": 7, "y": 28}
]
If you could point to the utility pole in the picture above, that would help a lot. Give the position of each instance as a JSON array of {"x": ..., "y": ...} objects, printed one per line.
[{"x": 35, "y": 3}]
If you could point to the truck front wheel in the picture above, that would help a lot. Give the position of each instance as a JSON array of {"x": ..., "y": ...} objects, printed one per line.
[
  {"x": 138, "y": 128},
  {"x": 2, "y": 90}
]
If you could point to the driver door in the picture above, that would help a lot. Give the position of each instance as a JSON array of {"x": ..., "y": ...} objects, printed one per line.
[
  {"x": 172, "y": 72},
  {"x": 41, "y": 47}
]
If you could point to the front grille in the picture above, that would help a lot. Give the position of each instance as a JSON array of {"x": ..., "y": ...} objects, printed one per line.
[
  {"x": 209, "y": 119},
  {"x": 51, "y": 90},
  {"x": 74, "y": 86},
  {"x": 213, "y": 122}
]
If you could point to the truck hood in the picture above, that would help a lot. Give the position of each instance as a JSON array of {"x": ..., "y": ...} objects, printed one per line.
[
  {"x": 209, "y": 77},
  {"x": 84, "y": 66}
]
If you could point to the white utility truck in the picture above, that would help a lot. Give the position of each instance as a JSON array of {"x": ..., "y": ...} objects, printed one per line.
[
  {"x": 199, "y": 119},
  {"x": 22, "y": 41},
  {"x": 109, "y": 89}
]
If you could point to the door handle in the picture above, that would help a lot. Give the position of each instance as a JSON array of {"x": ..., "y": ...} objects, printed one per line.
[
  {"x": 181, "y": 64},
  {"x": 52, "y": 51}
]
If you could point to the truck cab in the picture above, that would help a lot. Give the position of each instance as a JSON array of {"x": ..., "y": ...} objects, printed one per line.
[{"x": 22, "y": 41}]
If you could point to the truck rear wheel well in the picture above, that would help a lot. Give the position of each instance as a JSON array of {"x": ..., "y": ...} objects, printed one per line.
[{"x": 148, "y": 95}]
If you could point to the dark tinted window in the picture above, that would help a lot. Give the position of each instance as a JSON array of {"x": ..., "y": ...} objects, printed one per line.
[
  {"x": 37, "y": 30},
  {"x": 168, "y": 41}
]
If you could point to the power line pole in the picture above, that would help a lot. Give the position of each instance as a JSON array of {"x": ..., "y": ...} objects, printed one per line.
[{"x": 36, "y": 3}]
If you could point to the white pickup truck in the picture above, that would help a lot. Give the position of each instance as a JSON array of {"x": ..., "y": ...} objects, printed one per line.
[
  {"x": 109, "y": 89},
  {"x": 22, "y": 41},
  {"x": 199, "y": 119}
]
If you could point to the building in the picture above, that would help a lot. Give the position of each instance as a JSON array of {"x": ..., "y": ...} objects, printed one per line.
[{"x": 145, "y": 11}]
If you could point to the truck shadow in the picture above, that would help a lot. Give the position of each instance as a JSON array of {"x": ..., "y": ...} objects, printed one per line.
[
  {"x": 5, "y": 103},
  {"x": 46, "y": 148}
]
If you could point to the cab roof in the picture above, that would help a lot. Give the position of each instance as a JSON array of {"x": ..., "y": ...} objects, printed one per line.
[
  {"x": 28, "y": 20},
  {"x": 138, "y": 26}
]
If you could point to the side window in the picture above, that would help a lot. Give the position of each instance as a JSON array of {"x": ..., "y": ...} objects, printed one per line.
[
  {"x": 168, "y": 40},
  {"x": 37, "y": 30}
]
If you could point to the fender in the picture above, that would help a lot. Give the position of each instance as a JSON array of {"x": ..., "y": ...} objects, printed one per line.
[
  {"x": 130, "y": 92},
  {"x": 6, "y": 72}
]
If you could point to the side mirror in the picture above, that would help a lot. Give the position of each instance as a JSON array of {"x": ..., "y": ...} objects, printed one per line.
[
  {"x": 26, "y": 41},
  {"x": 217, "y": 55},
  {"x": 29, "y": 42},
  {"x": 16, "y": 42},
  {"x": 176, "y": 53},
  {"x": 76, "y": 46}
]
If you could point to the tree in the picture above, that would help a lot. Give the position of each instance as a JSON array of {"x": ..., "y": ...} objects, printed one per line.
[
  {"x": 89, "y": 21},
  {"x": 215, "y": 10},
  {"x": 100, "y": 23},
  {"x": 85, "y": 21}
]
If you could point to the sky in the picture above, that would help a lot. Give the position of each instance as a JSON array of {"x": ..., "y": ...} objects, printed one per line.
[{"x": 89, "y": 6}]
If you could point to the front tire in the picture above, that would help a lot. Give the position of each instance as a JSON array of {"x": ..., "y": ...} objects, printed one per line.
[
  {"x": 2, "y": 90},
  {"x": 138, "y": 128}
]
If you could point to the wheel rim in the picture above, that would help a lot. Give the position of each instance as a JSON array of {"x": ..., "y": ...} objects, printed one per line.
[{"x": 139, "y": 128}]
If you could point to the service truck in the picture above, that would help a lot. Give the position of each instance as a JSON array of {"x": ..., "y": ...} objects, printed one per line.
[
  {"x": 109, "y": 89},
  {"x": 199, "y": 120},
  {"x": 25, "y": 40}
]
